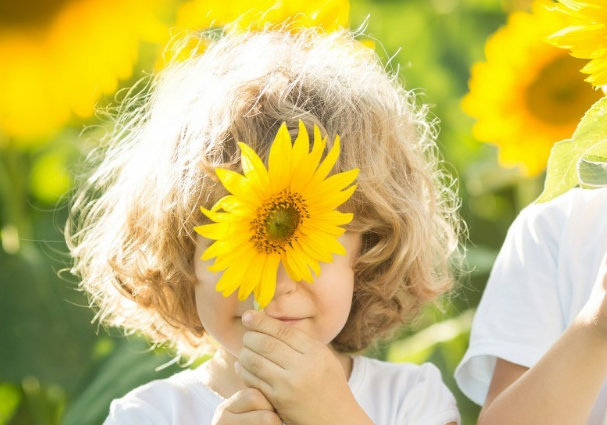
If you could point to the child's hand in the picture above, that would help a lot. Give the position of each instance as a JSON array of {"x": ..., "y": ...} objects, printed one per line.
[
  {"x": 246, "y": 407},
  {"x": 301, "y": 377},
  {"x": 594, "y": 313}
]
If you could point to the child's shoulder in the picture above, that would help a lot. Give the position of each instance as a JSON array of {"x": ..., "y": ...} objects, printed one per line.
[
  {"x": 158, "y": 401},
  {"x": 575, "y": 212},
  {"x": 576, "y": 201},
  {"x": 390, "y": 374},
  {"x": 402, "y": 392}
]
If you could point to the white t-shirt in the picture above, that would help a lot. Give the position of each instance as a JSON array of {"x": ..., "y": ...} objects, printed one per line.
[
  {"x": 390, "y": 393},
  {"x": 541, "y": 279}
]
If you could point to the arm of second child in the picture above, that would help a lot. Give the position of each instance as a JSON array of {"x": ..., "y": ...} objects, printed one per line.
[
  {"x": 562, "y": 386},
  {"x": 301, "y": 377}
]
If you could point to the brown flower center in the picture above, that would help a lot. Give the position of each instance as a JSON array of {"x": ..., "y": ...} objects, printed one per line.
[
  {"x": 30, "y": 13},
  {"x": 559, "y": 95},
  {"x": 278, "y": 221}
]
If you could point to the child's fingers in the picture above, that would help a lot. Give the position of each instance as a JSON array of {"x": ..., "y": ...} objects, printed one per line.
[
  {"x": 294, "y": 338},
  {"x": 259, "y": 366},
  {"x": 246, "y": 407},
  {"x": 271, "y": 348},
  {"x": 247, "y": 400},
  {"x": 252, "y": 380}
]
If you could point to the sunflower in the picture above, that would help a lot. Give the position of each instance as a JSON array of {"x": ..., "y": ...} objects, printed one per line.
[
  {"x": 586, "y": 36},
  {"x": 243, "y": 14},
  {"x": 528, "y": 94},
  {"x": 64, "y": 55},
  {"x": 240, "y": 15},
  {"x": 285, "y": 213}
]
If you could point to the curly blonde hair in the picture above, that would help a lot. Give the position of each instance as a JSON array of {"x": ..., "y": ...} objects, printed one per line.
[{"x": 131, "y": 226}]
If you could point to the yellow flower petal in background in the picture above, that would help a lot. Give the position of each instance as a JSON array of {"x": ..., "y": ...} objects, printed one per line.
[
  {"x": 292, "y": 223},
  {"x": 528, "y": 94},
  {"x": 585, "y": 36},
  {"x": 64, "y": 56},
  {"x": 244, "y": 14},
  {"x": 240, "y": 15}
]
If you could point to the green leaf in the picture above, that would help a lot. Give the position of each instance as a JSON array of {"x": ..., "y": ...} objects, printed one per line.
[
  {"x": 592, "y": 171},
  {"x": 590, "y": 138},
  {"x": 10, "y": 398}
]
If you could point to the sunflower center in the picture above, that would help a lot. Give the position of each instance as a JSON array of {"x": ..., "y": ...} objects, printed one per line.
[
  {"x": 30, "y": 12},
  {"x": 278, "y": 221},
  {"x": 559, "y": 95}
]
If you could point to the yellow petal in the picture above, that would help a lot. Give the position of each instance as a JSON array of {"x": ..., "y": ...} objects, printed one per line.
[
  {"x": 317, "y": 206},
  {"x": 307, "y": 258},
  {"x": 254, "y": 272},
  {"x": 325, "y": 167},
  {"x": 235, "y": 256},
  {"x": 301, "y": 147},
  {"x": 235, "y": 205},
  {"x": 219, "y": 217},
  {"x": 335, "y": 218},
  {"x": 227, "y": 245},
  {"x": 279, "y": 162},
  {"x": 254, "y": 169},
  {"x": 264, "y": 292},
  {"x": 313, "y": 227},
  {"x": 214, "y": 230},
  {"x": 315, "y": 251},
  {"x": 295, "y": 267},
  {"x": 321, "y": 242},
  {"x": 234, "y": 276},
  {"x": 333, "y": 184},
  {"x": 239, "y": 186}
]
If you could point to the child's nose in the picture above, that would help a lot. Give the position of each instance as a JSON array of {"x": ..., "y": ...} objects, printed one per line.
[{"x": 284, "y": 284}]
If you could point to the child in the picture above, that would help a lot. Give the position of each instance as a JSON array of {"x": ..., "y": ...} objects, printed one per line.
[
  {"x": 140, "y": 259},
  {"x": 538, "y": 349}
]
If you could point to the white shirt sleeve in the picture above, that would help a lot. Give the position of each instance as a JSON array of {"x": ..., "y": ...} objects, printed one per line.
[{"x": 519, "y": 316}]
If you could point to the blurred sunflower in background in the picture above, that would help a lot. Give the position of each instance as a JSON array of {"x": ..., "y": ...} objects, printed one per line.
[
  {"x": 528, "y": 94},
  {"x": 240, "y": 15},
  {"x": 62, "y": 56},
  {"x": 244, "y": 14},
  {"x": 586, "y": 37}
]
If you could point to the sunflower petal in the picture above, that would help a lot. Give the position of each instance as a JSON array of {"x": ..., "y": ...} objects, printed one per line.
[
  {"x": 255, "y": 171},
  {"x": 279, "y": 162},
  {"x": 315, "y": 251},
  {"x": 301, "y": 147},
  {"x": 253, "y": 272},
  {"x": 330, "y": 203},
  {"x": 234, "y": 276},
  {"x": 335, "y": 183},
  {"x": 309, "y": 260},
  {"x": 325, "y": 167},
  {"x": 226, "y": 246},
  {"x": 264, "y": 292},
  {"x": 234, "y": 205},
  {"x": 335, "y": 218},
  {"x": 295, "y": 267},
  {"x": 214, "y": 230}
]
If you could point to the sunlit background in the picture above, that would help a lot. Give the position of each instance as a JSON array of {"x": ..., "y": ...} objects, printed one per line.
[{"x": 503, "y": 97}]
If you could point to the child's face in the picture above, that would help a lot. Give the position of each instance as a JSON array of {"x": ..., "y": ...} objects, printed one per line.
[{"x": 320, "y": 309}]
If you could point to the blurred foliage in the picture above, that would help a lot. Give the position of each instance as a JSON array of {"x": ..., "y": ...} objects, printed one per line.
[{"x": 57, "y": 367}]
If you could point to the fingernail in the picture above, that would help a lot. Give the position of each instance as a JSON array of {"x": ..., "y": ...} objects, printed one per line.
[
  {"x": 247, "y": 317},
  {"x": 236, "y": 366}
]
